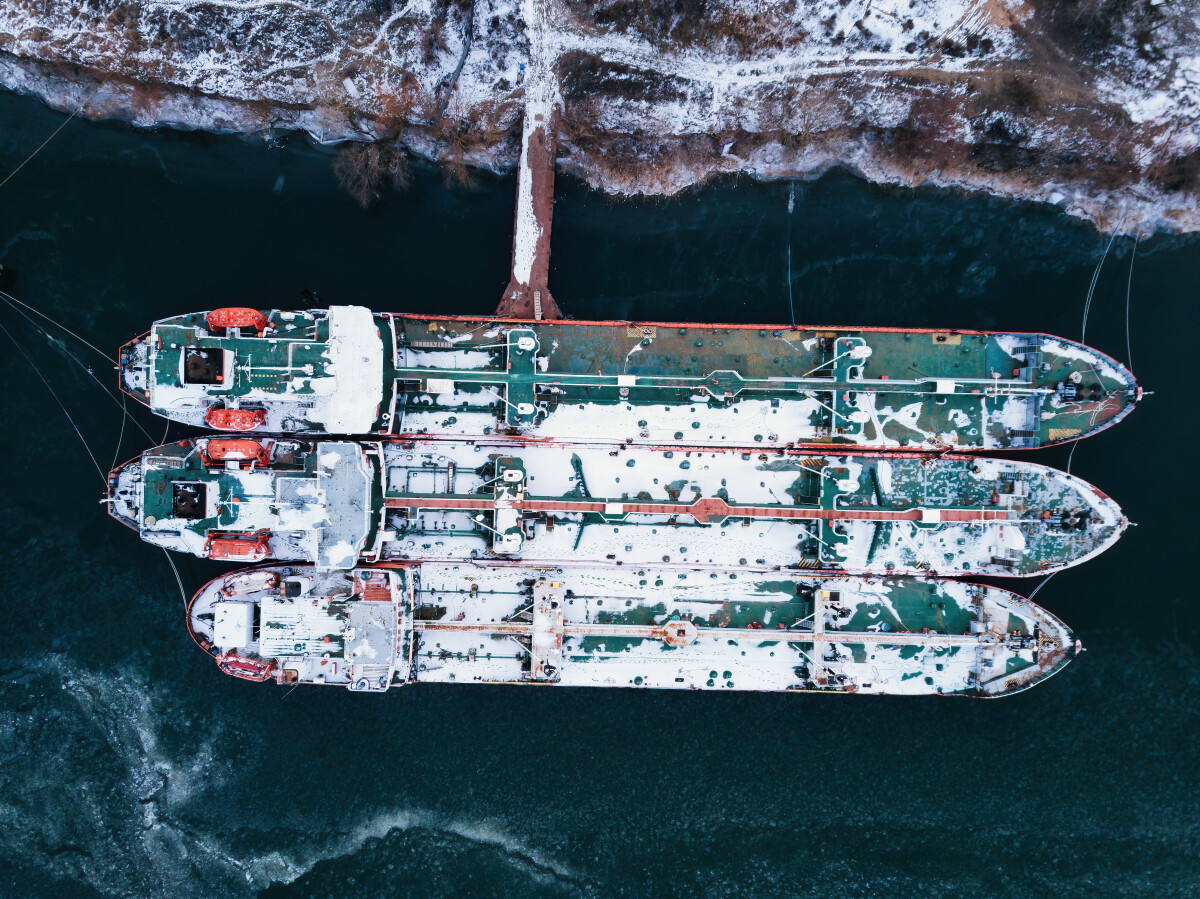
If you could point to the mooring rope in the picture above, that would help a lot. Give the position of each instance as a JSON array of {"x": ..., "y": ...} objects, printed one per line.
[
  {"x": 78, "y": 109},
  {"x": 15, "y": 303},
  {"x": 1096, "y": 276},
  {"x": 11, "y": 299},
  {"x": 61, "y": 405},
  {"x": 119, "y": 401},
  {"x": 178, "y": 579},
  {"x": 1087, "y": 306},
  {"x": 1071, "y": 456},
  {"x": 1040, "y": 585},
  {"x": 1128, "y": 293},
  {"x": 121, "y": 436}
]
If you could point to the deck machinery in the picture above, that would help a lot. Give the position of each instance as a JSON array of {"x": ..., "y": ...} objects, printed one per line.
[
  {"x": 337, "y": 504},
  {"x": 669, "y": 505},
  {"x": 348, "y": 371},
  {"x": 583, "y": 624}
]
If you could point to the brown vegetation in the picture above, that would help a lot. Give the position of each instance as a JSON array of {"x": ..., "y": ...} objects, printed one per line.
[
  {"x": 433, "y": 41},
  {"x": 1021, "y": 93},
  {"x": 923, "y": 142},
  {"x": 708, "y": 24},
  {"x": 1088, "y": 28},
  {"x": 454, "y": 164},
  {"x": 1033, "y": 112},
  {"x": 1181, "y": 173},
  {"x": 461, "y": 134},
  {"x": 397, "y": 102},
  {"x": 584, "y": 74},
  {"x": 146, "y": 99},
  {"x": 362, "y": 170}
]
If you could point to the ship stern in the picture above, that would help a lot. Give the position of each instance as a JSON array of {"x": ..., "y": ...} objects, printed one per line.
[
  {"x": 124, "y": 498},
  {"x": 133, "y": 367}
]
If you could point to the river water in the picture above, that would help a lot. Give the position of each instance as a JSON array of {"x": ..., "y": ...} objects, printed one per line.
[{"x": 130, "y": 767}]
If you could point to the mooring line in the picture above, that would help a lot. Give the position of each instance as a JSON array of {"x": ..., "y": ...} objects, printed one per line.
[
  {"x": 1087, "y": 308},
  {"x": 61, "y": 405},
  {"x": 1092, "y": 289},
  {"x": 11, "y": 299},
  {"x": 178, "y": 579},
  {"x": 1128, "y": 292},
  {"x": 121, "y": 436},
  {"x": 78, "y": 109},
  {"x": 1041, "y": 584},
  {"x": 119, "y": 401}
]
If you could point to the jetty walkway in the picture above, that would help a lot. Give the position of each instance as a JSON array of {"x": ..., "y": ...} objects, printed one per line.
[{"x": 528, "y": 292}]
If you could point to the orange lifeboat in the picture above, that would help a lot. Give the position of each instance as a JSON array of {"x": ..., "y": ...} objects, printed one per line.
[
  {"x": 236, "y": 317},
  {"x": 237, "y": 547},
  {"x": 235, "y": 449},
  {"x": 247, "y": 669},
  {"x": 234, "y": 419}
]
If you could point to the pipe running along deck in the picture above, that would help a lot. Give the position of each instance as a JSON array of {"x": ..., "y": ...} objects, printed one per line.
[
  {"x": 341, "y": 503},
  {"x": 369, "y": 629},
  {"x": 702, "y": 511},
  {"x": 346, "y": 370}
]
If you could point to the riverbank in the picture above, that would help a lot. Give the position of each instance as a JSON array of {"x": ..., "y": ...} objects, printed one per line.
[{"x": 1095, "y": 112}]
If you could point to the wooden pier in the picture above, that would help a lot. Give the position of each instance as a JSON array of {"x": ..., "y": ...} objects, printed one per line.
[{"x": 528, "y": 292}]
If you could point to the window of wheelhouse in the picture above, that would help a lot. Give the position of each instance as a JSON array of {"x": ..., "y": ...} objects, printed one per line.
[
  {"x": 203, "y": 365},
  {"x": 189, "y": 500}
]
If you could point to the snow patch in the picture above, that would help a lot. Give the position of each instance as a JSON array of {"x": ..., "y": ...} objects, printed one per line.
[{"x": 356, "y": 362}]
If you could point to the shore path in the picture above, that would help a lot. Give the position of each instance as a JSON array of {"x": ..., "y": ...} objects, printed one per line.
[{"x": 528, "y": 293}]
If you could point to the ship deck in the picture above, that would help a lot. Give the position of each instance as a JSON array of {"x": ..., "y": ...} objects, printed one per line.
[
  {"x": 412, "y": 499},
  {"x": 666, "y": 627},
  {"x": 643, "y": 383}
]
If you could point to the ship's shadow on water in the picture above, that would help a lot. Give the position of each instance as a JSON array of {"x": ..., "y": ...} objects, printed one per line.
[{"x": 132, "y": 767}]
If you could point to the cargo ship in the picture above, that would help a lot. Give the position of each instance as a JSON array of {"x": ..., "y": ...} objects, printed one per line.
[
  {"x": 340, "y": 503},
  {"x": 347, "y": 371},
  {"x": 661, "y": 626}
]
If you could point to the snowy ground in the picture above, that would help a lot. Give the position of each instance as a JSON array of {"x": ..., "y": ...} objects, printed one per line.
[{"x": 1093, "y": 105}]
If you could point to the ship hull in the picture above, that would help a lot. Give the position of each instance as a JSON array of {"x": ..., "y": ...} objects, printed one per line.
[
  {"x": 349, "y": 371},
  {"x": 342, "y": 503},
  {"x": 668, "y": 627}
]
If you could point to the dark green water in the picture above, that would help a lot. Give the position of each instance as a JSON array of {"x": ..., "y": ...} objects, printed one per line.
[{"x": 130, "y": 767}]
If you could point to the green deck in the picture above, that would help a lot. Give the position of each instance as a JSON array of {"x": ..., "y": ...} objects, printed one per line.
[{"x": 839, "y": 386}]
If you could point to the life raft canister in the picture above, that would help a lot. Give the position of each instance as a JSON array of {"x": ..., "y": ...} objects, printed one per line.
[
  {"x": 234, "y": 419},
  {"x": 236, "y": 317},
  {"x": 235, "y": 449},
  {"x": 248, "y": 669},
  {"x": 250, "y": 582},
  {"x": 237, "y": 547}
]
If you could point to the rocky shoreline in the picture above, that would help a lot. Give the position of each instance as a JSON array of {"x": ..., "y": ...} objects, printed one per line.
[{"x": 989, "y": 96}]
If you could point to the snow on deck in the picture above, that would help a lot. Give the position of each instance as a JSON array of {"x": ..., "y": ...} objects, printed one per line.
[
  {"x": 686, "y": 385},
  {"x": 663, "y": 626},
  {"x": 355, "y": 356},
  {"x": 629, "y": 505}
]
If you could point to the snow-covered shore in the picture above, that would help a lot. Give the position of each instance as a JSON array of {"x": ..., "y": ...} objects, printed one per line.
[{"x": 1091, "y": 105}]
